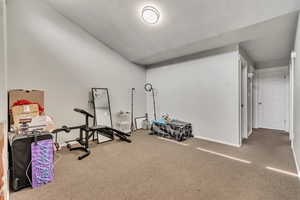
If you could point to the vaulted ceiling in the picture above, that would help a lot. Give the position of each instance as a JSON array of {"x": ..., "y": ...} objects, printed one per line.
[{"x": 265, "y": 29}]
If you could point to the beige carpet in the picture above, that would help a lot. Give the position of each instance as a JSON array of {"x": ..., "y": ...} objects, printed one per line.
[{"x": 151, "y": 168}]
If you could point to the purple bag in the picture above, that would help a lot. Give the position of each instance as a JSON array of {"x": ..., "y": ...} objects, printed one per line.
[{"x": 42, "y": 162}]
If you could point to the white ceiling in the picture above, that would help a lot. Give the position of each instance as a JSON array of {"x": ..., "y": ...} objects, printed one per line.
[
  {"x": 274, "y": 47},
  {"x": 264, "y": 27}
]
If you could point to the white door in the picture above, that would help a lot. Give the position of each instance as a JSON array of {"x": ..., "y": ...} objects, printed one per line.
[{"x": 273, "y": 98}]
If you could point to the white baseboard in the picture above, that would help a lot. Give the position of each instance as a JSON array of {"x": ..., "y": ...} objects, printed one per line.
[
  {"x": 217, "y": 141},
  {"x": 296, "y": 161}
]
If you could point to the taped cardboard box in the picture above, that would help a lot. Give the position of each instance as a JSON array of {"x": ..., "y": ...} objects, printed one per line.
[
  {"x": 24, "y": 114},
  {"x": 36, "y": 96}
]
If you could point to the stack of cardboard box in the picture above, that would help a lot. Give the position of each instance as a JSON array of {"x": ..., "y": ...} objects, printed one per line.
[{"x": 24, "y": 114}]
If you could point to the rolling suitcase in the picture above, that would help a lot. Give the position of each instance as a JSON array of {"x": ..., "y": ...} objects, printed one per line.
[{"x": 19, "y": 149}]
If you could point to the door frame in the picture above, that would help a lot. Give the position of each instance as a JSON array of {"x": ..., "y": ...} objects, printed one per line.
[
  {"x": 291, "y": 95},
  {"x": 250, "y": 108},
  {"x": 243, "y": 66},
  {"x": 4, "y": 105}
]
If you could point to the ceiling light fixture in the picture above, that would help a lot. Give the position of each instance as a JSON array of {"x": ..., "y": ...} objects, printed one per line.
[{"x": 150, "y": 15}]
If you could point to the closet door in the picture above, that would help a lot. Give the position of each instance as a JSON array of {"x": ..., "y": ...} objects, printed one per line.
[{"x": 273, "y": 96}]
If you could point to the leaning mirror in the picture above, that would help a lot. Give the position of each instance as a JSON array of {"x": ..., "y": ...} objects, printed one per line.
[{"x": 102, "y": 110}]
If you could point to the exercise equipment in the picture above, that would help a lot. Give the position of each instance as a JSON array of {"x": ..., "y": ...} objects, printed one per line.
[
  {"x": 83, "y": 139},
  {"x": 132, "y": 123},
  {"x": 86, "y": 132},
  {"x": 56, "y": 131},
  {"x": 148, "y": 88}
]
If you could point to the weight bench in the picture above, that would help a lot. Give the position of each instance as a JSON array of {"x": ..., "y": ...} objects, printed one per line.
[{"x": 87, "y": 132}]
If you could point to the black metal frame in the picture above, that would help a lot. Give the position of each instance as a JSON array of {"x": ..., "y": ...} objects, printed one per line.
[
  {"x": 132, "y": 114},
  {"x": 82, "y": 140},
  {"x": 86, "y": 132},
  {"x": 151, "y": 89}
]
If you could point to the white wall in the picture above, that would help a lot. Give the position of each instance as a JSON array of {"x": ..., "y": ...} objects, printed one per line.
[
  {"x": 3, "y": 93},
  {"x": 204, "y": 92},
  {"x": 296, "y": 141},
  {"x": 48, "y": 52}
]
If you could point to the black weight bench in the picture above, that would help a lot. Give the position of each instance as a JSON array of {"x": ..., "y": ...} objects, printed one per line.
[{"x": 87, "y": 132}]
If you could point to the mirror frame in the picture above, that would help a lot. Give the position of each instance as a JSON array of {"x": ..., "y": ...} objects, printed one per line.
[{"x": 94, "y": 106}]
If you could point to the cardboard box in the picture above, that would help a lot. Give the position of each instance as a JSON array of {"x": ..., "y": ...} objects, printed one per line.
[
  {"x": 36, "y": 96},
  {"x": 24, "y": 114}
]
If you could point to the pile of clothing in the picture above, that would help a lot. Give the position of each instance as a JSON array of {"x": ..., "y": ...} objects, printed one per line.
[{"x": 172, "y": 128}]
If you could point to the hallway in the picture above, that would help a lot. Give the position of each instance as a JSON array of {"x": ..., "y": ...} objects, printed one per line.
[
  {"x": 264, "y": 148},
  {"x": 270, "y": 148}
]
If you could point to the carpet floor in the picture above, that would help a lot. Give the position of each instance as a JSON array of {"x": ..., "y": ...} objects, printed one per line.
[{"x": 152, "y": 168}]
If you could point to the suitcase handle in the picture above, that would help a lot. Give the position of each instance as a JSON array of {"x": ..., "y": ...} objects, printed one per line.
[{"x": 35, "y": 135}]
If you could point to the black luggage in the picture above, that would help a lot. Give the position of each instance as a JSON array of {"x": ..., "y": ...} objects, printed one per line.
[{"x": 19, "y": 149}]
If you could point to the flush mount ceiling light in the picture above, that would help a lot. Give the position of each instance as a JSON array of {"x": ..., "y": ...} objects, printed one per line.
[{"x": 150, "y": 15}]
